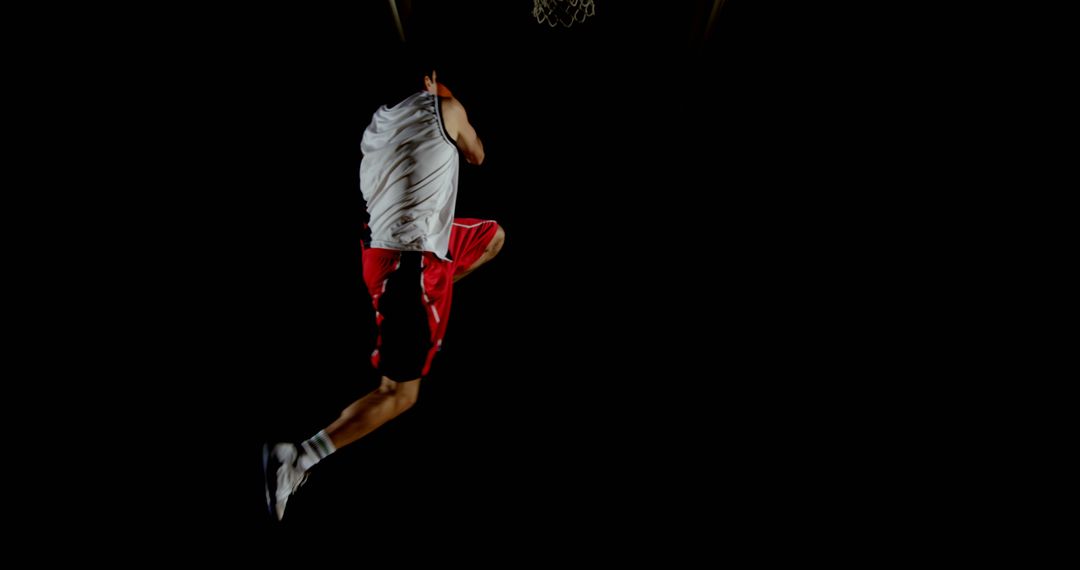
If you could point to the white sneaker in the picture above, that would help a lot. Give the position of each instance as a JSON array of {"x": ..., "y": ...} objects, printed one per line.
[{"x": 282, "y": 475}]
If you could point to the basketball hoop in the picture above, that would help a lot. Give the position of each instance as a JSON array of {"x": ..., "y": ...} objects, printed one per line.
[{"x": 565, "y": 12}]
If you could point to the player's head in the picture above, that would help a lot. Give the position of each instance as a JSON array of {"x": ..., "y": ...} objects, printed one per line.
[
  {"x": 432, "y": 85},
  {"x": 413, "y": 68}
]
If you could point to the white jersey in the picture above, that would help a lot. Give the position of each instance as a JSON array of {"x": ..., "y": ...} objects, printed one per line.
[{"x": 409, "y": 176}]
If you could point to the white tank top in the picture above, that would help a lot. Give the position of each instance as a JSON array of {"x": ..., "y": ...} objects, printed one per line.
[{"x": 409, "y": 176}]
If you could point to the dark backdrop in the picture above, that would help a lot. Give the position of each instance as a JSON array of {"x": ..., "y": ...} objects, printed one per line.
[{"x": 645, "y": 345}]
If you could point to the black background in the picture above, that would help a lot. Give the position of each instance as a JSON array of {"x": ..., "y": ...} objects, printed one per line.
[{"x": 658, "y": 339}]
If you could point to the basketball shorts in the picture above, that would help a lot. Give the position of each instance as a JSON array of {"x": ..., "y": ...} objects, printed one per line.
[{"x": 411, "y": 292}]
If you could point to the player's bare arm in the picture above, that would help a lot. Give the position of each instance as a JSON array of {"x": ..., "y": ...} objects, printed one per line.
[
  {"x": 458, "y": 127},
  {"x": 456, "y": 121}
]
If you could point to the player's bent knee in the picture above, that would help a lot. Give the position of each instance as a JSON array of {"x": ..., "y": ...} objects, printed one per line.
[
  {"x": 403, "y": 394},
  {"x": 496, "y": 242}
]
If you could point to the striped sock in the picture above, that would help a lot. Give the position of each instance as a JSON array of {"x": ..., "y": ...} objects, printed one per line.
[{"x": 315, "y": 449}]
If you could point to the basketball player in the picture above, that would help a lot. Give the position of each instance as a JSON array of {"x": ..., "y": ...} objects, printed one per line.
[{"x": 416, "y": 250}]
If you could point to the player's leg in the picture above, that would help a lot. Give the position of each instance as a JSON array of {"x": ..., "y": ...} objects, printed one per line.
[
  {"x": 477, "y": 245},
  {"x": 365, "y": 415},
  {"x": 286, "y": 464},
  {"x": 405, "y": 350}
]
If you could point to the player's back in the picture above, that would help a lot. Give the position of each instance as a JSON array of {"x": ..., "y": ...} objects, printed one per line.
[{"x": 409, "y": 176}]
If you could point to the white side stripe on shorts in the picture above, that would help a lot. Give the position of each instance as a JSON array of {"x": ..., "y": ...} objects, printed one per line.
[{"x": 423, "y": 291}]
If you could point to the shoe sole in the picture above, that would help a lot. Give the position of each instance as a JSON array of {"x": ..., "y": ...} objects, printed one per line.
[{"x": 266, "y": 480}]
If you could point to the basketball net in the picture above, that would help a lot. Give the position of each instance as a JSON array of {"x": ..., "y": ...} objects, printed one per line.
[{"x": 565, "y": 12}]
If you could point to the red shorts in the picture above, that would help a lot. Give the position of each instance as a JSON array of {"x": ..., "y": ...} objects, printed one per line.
[{"x": 411, "y": 292}]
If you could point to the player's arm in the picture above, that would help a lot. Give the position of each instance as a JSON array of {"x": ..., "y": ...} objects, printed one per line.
[
  {"x": 459, "y": 129},
  {"x": 456, "y": 121}
]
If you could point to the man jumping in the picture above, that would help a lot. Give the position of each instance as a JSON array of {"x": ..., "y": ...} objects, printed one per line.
[{"x": 414, "y": 253}]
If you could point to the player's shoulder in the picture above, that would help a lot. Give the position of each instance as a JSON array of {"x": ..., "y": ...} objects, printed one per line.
[
  {"x": 451, "y": 104},
  {"x": 453, "y": 111}
]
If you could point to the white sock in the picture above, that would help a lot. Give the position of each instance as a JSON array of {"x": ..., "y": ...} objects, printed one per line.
[{"x": 315, "y": 449}]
